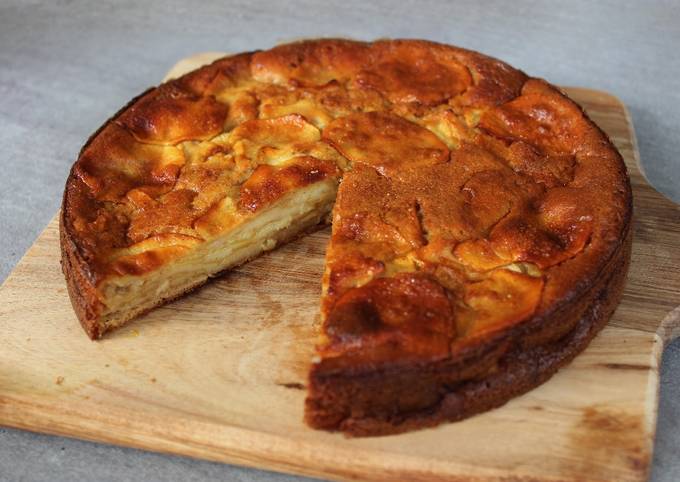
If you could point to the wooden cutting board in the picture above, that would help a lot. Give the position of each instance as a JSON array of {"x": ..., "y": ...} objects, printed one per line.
[{"x": 221, "y": 373}]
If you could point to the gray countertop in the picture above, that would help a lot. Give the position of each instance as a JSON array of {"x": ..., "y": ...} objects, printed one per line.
[{"x": 66, "y": 66}]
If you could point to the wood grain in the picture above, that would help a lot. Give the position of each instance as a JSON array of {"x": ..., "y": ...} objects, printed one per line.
[{"x": 220, "y": 374}]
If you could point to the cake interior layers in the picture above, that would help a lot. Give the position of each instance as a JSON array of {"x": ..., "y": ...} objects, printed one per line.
[{"x": 130, "y": 295}]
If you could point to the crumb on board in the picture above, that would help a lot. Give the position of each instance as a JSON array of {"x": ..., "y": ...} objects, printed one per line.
[{"x": 59, "y": 380}]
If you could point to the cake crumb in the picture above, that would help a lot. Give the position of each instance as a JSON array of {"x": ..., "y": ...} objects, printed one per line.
[
  {"x": 59, "y": 380},
  {"x": 294, "y": 385}
]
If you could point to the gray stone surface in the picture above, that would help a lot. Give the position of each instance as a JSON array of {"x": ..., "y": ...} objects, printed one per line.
[{"x": 66, "y": 66}]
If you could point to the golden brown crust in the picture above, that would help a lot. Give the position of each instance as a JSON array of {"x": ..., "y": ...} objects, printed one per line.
[{"x": 481, "y": 213}]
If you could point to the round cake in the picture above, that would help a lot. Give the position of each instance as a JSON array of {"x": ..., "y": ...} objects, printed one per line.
[{"x": 480, "y": 221}]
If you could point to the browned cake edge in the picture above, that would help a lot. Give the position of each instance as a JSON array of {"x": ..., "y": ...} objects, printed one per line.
[
  {"x": 82, "y": 293},
  {"x": 367, "y": 402},
  {"x": 81, "y": 288}
]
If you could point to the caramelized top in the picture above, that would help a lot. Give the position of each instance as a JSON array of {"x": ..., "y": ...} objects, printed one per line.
[{"x": 473, "y": 198}]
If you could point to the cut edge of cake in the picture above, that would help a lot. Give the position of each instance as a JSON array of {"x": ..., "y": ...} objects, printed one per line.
[{"x": 120, "y": 299}]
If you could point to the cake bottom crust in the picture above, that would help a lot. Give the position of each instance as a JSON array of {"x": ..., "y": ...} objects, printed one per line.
[{"x": 332, "y": 401}]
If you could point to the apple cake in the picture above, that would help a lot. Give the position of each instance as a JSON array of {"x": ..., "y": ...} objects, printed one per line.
[{"x": 480, "y": 221}]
